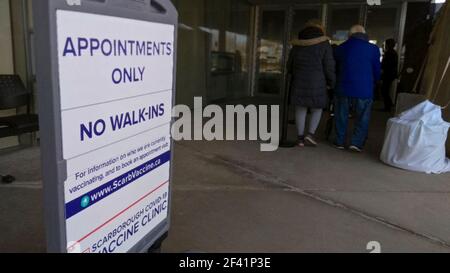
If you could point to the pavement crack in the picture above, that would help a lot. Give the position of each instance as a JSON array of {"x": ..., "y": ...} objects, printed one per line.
[
  {"x": 374, "y": 191},
  {"x": 280, "y": 183},
  {"x": 222, "y": 188}
]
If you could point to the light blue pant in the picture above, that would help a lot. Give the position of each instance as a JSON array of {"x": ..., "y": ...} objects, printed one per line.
[{"x": 314, "y": 120}]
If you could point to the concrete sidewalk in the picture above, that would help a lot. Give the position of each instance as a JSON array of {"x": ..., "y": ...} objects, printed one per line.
[
  {"x": 228, "y": 206},
  {"x": 324, "y": 199},
  {"x": 229, "y": 197}
]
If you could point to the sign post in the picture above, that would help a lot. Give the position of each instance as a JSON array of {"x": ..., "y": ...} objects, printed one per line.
[{"x": 106, "y": 85}]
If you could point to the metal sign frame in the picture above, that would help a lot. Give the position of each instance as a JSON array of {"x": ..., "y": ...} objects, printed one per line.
[{"x": 53, "y": 165}]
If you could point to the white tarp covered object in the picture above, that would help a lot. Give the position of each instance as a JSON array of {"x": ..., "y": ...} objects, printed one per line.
[{"x": 415, "y": 140}]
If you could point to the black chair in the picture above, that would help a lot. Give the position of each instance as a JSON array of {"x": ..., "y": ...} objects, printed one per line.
[{"x": 13, "y": 95}]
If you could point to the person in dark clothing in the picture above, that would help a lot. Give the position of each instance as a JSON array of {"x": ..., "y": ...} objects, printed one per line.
[
  {"x": 359, "y": 69},
  {"x": 312, "y": 67},
  {"x": 389, "y": 68}
]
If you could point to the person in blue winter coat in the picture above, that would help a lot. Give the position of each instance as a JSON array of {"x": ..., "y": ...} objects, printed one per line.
[{"x": 358, "y": 71}]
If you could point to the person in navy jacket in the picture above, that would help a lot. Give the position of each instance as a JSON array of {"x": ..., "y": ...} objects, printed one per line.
[{"x": 358, "y": 71}]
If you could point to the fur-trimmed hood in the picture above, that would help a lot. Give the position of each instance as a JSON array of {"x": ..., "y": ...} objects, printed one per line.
[
  {"x": 310, "y": 36},
  {"x": 310, "y": 42}
]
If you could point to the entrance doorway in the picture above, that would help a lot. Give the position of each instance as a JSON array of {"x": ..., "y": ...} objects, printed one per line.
[{"x": 277, "y": 25}]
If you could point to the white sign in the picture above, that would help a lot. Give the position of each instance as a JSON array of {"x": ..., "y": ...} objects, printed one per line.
[{"x": 116, "y": 80}]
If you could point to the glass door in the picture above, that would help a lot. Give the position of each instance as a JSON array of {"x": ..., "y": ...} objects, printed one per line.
[
  {"x": 271, "y": 51},
  {"x": 340, "y": 19},
  {"x": 382, "y": 23},
  {"x": 301, "y": 15},
  {"x": 277, "y": 27}
]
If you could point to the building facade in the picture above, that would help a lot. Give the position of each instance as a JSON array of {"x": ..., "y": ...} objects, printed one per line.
[{"x": 229, "y": 51}]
